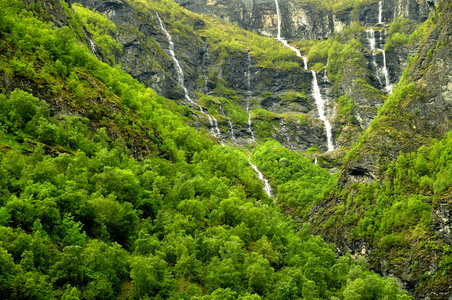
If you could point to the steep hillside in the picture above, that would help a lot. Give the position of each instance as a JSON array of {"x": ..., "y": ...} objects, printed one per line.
[
  {"x": 393, "y": 205},
  {"x": 128, "y": 129},
  {"x": 255, "y": 87},
  {"x": 107, "y": 192}
]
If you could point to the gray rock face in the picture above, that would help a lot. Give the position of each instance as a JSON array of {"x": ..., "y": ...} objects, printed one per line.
[
  {"x": 442, "y": 219},
  {"x": 145, "y": 56},
  {"x": 137, "y": 57},
  {"x": 305, "y": 20}
]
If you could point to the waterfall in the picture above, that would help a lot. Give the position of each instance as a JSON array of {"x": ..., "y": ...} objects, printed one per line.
[
  {"x": 248, "y": 71},
  {"x": 371, "y": 37},
  {"x": 284, "y": 42},
  {"x": 380, "y": 12},
  {"x": 180, "y": 80},
  {"x": 320, "y": 106},
  {"x": 267, "y": 187},
  {"x": 325, "y": 72},
  {"x": 231, "y": 128},
  {"x": 215, "y": 130},
  {"x": 388, "y": 86},
  {"x": 317, "y": 95},
  {"x": 179, "y": 71},
  {"x": 278, "y": 14},
  {"x": 248, "y": 82}
]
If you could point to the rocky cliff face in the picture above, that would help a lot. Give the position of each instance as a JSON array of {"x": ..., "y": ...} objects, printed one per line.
[
  {"x": 146, "y": 57},
  {"x": 418, "y": 113},
  {"x": 301, "y": 20}
]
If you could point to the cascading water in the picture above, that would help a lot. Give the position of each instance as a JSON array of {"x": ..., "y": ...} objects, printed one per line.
[
  {"x": 267, "y": 187},
  {"x": 180, "y": 79},
  {"x": 213, "y": 121},
  {"x": 372, "y": 42},
  {"x": 371, "y": 37},
  {"x": 388, "y": 86},
  {"x": 325, "y": 72},
  {"x": 248, "y": 82},
  {"x": 231, "y": 126},
  {"x": 380, "y": 12},
  {"x": 317, "y": 95},
  {"x": 320, "y": 106},
  {"x": 285, "y": 42},
  {"x": 278, "y": 15}
]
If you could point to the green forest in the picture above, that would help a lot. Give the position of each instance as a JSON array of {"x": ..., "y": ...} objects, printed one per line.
[{"x": 107, "y": 191}]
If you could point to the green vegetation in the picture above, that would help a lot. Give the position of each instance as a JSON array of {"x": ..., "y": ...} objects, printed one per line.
[
  {"x": 391, "y": 211},
  {"x": 268, "y": 52},
  {"x": 339, "y": 5},
  {"x": 107, "y": 193},
  {"x": 299, "y": 183},
  {"x": 101, "y": 28},
  {"x": 340, "y": 52},
  {"x": 346, "y": 105}
]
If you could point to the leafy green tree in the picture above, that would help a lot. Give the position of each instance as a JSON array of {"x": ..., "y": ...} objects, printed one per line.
[
  {"x": 71, "y": 232},
  {"x": 150, "y": 276},
  {"x": 7, "y": 272},
  {"x": 31, "y": 285},
  {"x": 70, "y": 267},
  {"x": 189, "y": 267},
  {"x": 259, "y": 274},
  {"x": 222, "y": 274},
  {"x": 22, "y": 107},
  {"x": 71, "y": 293}
]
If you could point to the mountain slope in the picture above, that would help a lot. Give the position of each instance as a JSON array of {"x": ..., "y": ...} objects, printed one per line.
[
  {"x": 107, "y": 192},
  {"x": 395, "y": 199}
]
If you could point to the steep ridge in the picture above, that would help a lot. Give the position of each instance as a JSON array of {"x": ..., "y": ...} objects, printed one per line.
[
  {"x": 304, "y": 19},
  {"x": 221, "y": 74},
  {"x": 399, "y": 159},
  {"x": 280, "y": 94},
  {"x": 106, "y": 192}
]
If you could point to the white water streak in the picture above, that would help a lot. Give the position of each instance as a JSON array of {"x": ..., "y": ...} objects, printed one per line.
[
  {"x": 284, "y": 42},
  {"x": 267, "y": 187},
  {"x": 380, "y": 12},
  {"x": 321, "y": 108},
  {"x": 278, "y": 14},
  {"x": 180, "y": 80},
  {"x": 248, "y": 82},
  {"x": 371, "y": 37},
  {"x": 388, "y": 86}
]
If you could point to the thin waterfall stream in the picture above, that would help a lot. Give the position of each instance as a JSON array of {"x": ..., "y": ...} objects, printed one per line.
[
  {"x": 317, "y": 95},
  {"x": 372, "y": 42},
  {"x": 380, "y": 12},
  {"x": 267, "y": 187},
  {"x": 248, "y": 83},
  {"x": 320, "y": 105},
  {"x": 388, "y": 86},
  {"x": 284, "y": 41},
  {"x": 371, "y": 38},
  {"x": 180, "y": 80}
]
